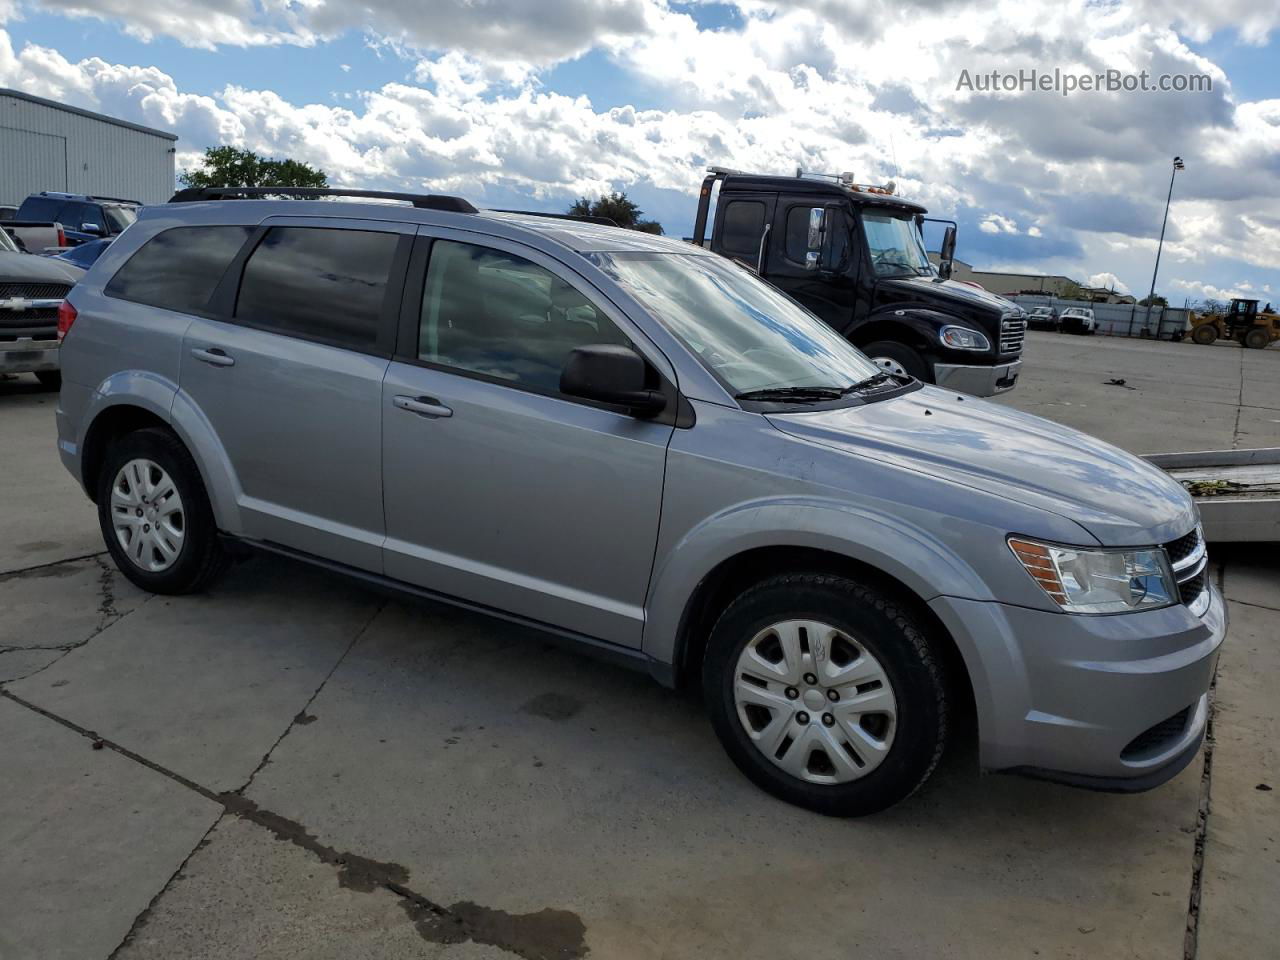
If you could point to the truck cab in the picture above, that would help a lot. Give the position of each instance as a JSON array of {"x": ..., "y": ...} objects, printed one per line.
[{"x": 854, "y": 255}]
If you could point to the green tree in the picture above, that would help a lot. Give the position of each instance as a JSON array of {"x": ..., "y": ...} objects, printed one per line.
[
  {"x": 1156, "y": 301},
  {"x": 618, "y": 208},
  {"x": 232, "y": 167}
]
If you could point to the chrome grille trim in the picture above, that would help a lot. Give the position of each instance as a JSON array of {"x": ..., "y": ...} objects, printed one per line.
[{"x": 1013, "y": 331}]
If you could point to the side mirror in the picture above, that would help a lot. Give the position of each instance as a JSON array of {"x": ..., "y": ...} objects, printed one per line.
[
  {"x": 947, "y": 254},
  {"x": 91, "y": 228},
  {"x": 609, "y": 373},
  {"x": 814, "y": 242}
]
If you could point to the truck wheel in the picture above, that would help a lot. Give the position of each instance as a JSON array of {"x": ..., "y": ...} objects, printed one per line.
[
  {"x": 1257, "y": 338},
  {"x": 898, "y": 359},
  {"x": 155, "y": 514},
  {"x": 50, "y": 379},
  {"x": 1204, "y": 334},
  {"x": 826, "y": 694}
]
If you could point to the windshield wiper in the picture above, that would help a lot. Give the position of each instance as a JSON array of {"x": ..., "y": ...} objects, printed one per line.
[
  {"x": 792, "y": 394},
  {"x": 869, "y": 382}
]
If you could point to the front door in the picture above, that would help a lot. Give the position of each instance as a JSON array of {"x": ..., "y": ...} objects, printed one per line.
[
  {"x": 499, "y": 489},
  {"x": 290, "y": 379},
  {"x": 828, "y": 293}
]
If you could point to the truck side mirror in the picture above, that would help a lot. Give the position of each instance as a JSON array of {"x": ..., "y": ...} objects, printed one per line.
[
  {"x": 947, "y": 254},
  {"x": 814, "y": 244}
]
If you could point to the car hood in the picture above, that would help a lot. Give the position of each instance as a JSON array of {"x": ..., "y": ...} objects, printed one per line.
[
  {"x": 26, "y": 267},
  {"x": 1118, "y": 498},
  {"x": 934, "y": 288}
]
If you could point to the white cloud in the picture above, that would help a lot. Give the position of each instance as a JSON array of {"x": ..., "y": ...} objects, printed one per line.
[{"x": 1108, "y": 281}]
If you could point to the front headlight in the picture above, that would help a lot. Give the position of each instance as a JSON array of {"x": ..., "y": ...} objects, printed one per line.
[
  {"x": 962, "y": 338},
  {"x": 1084, "y": 580}
]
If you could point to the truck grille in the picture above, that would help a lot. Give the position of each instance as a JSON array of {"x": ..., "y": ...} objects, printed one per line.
[
  {"x": 1013, "y": 330},
  {"x": 1190, "y": 564},
  {"x": 33, "y": 291}
]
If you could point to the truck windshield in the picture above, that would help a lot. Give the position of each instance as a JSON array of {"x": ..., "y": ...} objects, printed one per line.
[
  {"x": 895, "y": 245},
  {"x": 748, "y": 333}
]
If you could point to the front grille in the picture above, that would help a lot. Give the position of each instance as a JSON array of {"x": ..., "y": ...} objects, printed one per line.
[
  {"x": 1013, "y": 330},
  {"x": 1189, "y": 590},
  {"x": 1153, "y": 739},
  {"x": 33, "y": 291},
  {"x": 1183, "y": 547}
]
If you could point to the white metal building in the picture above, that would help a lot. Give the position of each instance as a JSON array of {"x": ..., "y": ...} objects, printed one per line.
[{"x": 50, "y": 146}]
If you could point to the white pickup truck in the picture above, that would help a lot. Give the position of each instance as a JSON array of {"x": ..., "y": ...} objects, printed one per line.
[{"x": 35, "y": 236}]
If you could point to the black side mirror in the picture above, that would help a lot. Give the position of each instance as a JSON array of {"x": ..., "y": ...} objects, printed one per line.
[
  {"x": 609, "y": 373},
  {"x": 947, "y": 254},
  {"x": 91, "y": 228}
]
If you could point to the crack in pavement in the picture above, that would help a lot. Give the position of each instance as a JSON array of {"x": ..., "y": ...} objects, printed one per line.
[
  {"x": 108, "y": 615},
  {"x": 547, "y": 934},
  {"x": 23, "y": 571},
  {"x": 1191, "y": 938}
]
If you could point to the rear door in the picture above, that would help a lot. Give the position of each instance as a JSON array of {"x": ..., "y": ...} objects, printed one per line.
[
  {"x": 499, "y": 489},
  {"x": 289, "y": 372},
  {"x": 743, "y": 224}
]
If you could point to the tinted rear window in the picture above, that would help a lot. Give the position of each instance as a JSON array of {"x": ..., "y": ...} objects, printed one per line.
[
  {"x": 39, "y": 208},
  {"x": 179, "y": 268},
  {"x": 321, "y": 284},
  {"x": 743, "y": 225}
]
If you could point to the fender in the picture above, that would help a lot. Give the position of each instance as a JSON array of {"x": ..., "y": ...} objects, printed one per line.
[
  {"x": 220, "y": 480},
  {"x": 922, "y": 323},
  {"x": 880, "y": 540}
]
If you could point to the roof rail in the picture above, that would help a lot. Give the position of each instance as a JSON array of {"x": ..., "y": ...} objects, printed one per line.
[
  {"x": 64, "y": 195},
  {"x": 425, "y": 201},
  {"x": 603, "y": 221}
]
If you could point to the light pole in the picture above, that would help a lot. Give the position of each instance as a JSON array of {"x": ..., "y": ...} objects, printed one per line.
[{"x": 1177, "y": 165}]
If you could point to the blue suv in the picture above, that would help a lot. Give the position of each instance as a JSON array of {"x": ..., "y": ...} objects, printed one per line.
[{"x": 83, "y": 217}]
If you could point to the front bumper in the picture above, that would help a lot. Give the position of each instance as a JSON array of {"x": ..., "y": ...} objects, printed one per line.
[
  {"x": 975, "y": 380},
  {"x": 28, "y": 356},
  {"x": 1111, "y": 702}
]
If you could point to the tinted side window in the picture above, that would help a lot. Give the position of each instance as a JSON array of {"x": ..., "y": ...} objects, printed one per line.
[
  {"x": 77, "y": 214},
  {"x": 179, "y": 268},
  {"x": 743, "y": 224},
  {"x": 325, "y": 284},
  {"x": 498, "y": 314},
  {"x": 39, "y": 208},
  {"x": 798, "y": 233}
]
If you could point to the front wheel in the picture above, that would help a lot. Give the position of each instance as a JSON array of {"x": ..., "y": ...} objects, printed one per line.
[
  {"x": 826, "y": 693},
  {"x": 898, "y": 359},
  {"x": 1204, "y": 334},
  {"x": 155, "y": 515}
]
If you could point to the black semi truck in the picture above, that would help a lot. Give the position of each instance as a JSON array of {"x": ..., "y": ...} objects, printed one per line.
[{"x": 854, "y": 255}]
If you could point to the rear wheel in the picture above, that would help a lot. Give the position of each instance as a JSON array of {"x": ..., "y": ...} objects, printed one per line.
[
  {"x": 1257, "y": 338},
  {"x": 898, "y": 359},
  {"x": 826, "y": 694},
  {"x": 50, "y": 379},
  {"x": 1204, "y": 334},
  {"x": 155, "y": 515}
]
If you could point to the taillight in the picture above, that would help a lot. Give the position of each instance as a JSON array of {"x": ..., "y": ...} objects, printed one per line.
[
  {"x": 62, "y": 236},
  {"x": 66, "y": 317}
]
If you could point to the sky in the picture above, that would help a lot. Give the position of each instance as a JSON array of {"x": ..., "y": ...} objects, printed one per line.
[{"x": 532, "y": 103}]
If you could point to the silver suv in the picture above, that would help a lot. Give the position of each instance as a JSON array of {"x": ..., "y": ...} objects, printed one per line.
[{"x": 637, "y": 444}]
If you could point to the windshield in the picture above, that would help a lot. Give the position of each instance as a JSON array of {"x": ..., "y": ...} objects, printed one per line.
[
  {"x": 895, "y": 245},
  {"x": 747, "y": 332},
  {"x": 119, "y": 217}
]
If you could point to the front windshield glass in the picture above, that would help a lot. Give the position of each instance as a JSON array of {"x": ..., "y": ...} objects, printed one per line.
[
  {"x": 747, "y": 332},
  {"x": 895, "y": 245},
  {"x": 120, "y": 217}
]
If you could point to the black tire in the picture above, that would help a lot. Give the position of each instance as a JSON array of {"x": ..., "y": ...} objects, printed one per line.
[
  {"x": 877, "y": 622},
  {"x": 200, "y": 557},
  {"x": 50, "y": 379},
  {"x": 1204, "y": 334},
  {"x": 910, "y": 360},
  {"x": 1257, "y": 339}
]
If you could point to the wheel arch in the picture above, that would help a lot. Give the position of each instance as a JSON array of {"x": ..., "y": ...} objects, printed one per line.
[
  {"x": 729, "y": 578},
  {"x": 111, "y": 423}
]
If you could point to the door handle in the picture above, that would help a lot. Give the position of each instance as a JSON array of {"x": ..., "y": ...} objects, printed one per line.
[
  {"x": 213, "y": 355},
  {"x": 423, "y": 406}
]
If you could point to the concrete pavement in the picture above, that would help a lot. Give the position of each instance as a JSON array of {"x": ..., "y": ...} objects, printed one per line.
[{"x": 291, "y": 766}]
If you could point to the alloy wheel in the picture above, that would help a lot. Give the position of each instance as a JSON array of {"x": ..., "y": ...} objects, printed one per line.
[{"x": 890, "y": 365}]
